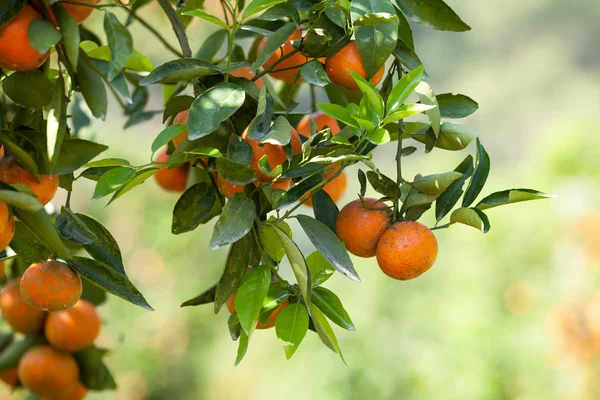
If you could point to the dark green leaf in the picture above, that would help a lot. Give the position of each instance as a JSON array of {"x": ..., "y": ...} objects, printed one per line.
[
  {"x": 166, "y": 135},
  {"x": 435, "y": 184},
  {"x": 332, "y": 307},
  {"x": 325, "y": 209},
  {"x": 511, "y": 196},
  {"x": 70, "y": 33},
  {"x": 139, "y": 178},
  {"x": 235, "y": 173},
  {"x": 277, "y": 40},
  {"x": 207, "y": 17},
  {"x": 177, "y": 104},
  {"x": 212, "y": 107},
  {"x": 27, "y": 246},
  {"x": 297, "y": 262},
  {"x": 456, "y": 105},
  {"x": 238, "y": 259},
  {"x": 235, "y": 221},
  {"x": 104, "y": 248},
  {"x": 20, "y": 200},
  {"x": 92, "y": 293},
  {"x": 75, "y": 153},
  {"x": 11, "y": 355},
  {"x": 408, "y": 57},
  {"x": 239, "y": 150},
  {"x": 41, "y": 226},
  {"x": 9, "y": 10},
  {"x": 314, "y": 73},
  {"x": 324, "y": 331},
  {"x": 193, "y": 207},
  {"x": 450, "y": 197},
  {"x": 433, "y": 14},
  {"x": 113, "y": 180},
  {"x": 251, "y": 295},
  {"x": 206, "y": 297},
  {"x": 472, "y": 217},
  {"x": 384, "y": 185},
  {"x": 180, "y": 70},
  {"x": 479, "y": 177},
  {"x": 42, "y": 35},
  {"x": 92, "y": 372},
  {"x": 72, "y": 228},
  {"x": 30, "y": 89},
  {"x": 92, "y": 87}
]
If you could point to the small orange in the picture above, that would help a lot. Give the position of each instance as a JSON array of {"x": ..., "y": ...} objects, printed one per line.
[
  {"x": 73, "y": 329},
  {"x": 19, "y": 315},
  {"x": 79, "y": 392},
  {"x": 181, "y": 118},
  {"x": 295, "y": 142},
  {"x": 7, "y": 234},
  {"x": 270, "y": 321},
  {"x": 336, "y": 188},
  {"x": 47, "y": 372},
  {"x": 284, "y": 70},
  {"x": 322, "y": 121},
  {"x": 4, "y": 216},
  {"x": 12, "y": 173},
  {"x": 244, "y": 72},
  {"x": 348, "y": 58},
  {"x": 51, "y": 285},
  {"x": 171, "y": 179},
  {"x": 406, "y": 250},
  {"x": 275, "y": 155},
  {"x": 361, "y": 225},
  {"x": 9, "y": 376},
  {"x": 79, "y": 12},
  {"x": 16, "y": 52}
]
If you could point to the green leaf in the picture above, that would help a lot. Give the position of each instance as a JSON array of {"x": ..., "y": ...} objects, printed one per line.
[
  {"x": 92, "y": 87},
  {"x": 450, "y": 197},
  {"x": 479, "y": 177},
  {"x": 70, "y": 33},
  {"x": 403, "y": 88},
  {"x": 328, "y": 244},
  {"x": 180, "y": 70},
  {"x": 212, "y": 107},
  {"x": 92, "y": 372},
  {"x": 166, "y": 135},
  {"x": 325, "y": 209},
  {"x": 72, "y": 228},
  {"x": 320, "y": 269},
  {"x": 433, "y": 14},
  {"x": 511, "y": 196},
  {"x": 427, "y": 97},
  {"x": 212, "y": 44},
  {"x": 193, "y": 208},
  {"x": 242, "y": 347},
  {"x": 270, "y": 239},
  {"x": 30, "y": 89},
  {"x": 375, "y": 43},
  {"x": 340, "y": 113},
  {"x": 324, "y": 331},
  {"x": 20, "y": 200},
  {"x": 456, "y": 105},
  {"x": 42, "y": 35},
  {"x": 75, "y": 153},
  {"x": 92, "y": 293},
  {"x": 384, "y": 185},
  {"x": 435, "y": 184},
  {"x": 104, "y": 248},
  {"x": 239, "y": 150},
  {"x": 406, "y": 111},
  {"x": 238, "y": 259},
  {"x": 332, "y": 307},
  {"x": 11, "y": 355},
  {"x": 9, "y": 10},
  {"x": 139, "y": 178},
  {"x": 41, "y": 226},
  {"x": 314, "y": 74},
  {"x": 235, "y": 221},
  {"x": 113, "y": 180},
  {"x": 298, "y": 263},
  {"x": 108, "y": 279},
  {"x": 206, "y": 297},
  {"x": 23, "y": 158},
  {"x": 280, "y": 132},
  {"x": 375, "y": 19},
  {"x": 235, "y": 173},
  {"x": 177, "y": 104},
  {"x": 369, "y": 91},
  {"x": 379, "y": 136},
  {"x": 257, "y": 6},
  {"x": 27, "y": 246},
  {"x": 404, "y": 30},
  {"x": 453, "y": 136},
  {"x": 471, "y": 217},
  {"x": 137, "y": 61},
  {"x": 408, "y": 57},
  {"x": 251, "y": 295},
  {"x": 207, "y": 17},
  {"x": 291, "y": 327},
  {"x": 278, "y": 39}
]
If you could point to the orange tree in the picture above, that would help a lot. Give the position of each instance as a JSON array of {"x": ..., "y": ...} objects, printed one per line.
[{"x": 231, "y": 148}]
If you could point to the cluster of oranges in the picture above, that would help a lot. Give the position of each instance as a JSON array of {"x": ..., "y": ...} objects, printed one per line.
[
  {"x": 404, "y": 250},
  {"x": 16, "y": 52},
  {"x": 46, "y": 301},
  {"x": 12, "y": 173}
]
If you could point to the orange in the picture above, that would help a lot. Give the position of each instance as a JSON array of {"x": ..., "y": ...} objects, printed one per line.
[
  {"x": 284, "y": 71},
  {"x": 16, "y": 53},
  {"x": 78, "y": 392},
  {"x": 181, "y": 118},
  {"x": 19, "y": 315},
  {"x": 171, "y": 179},
  {"x": 406, "y": 250},
  {"x": 47, "y": 372},
  {"x": 79, "y": 12},
  {"x": 51, "y": 285},
  {"x": 348, "y": 58},
  {"x": 9, "y": 376},
  {"x": 322, "y": 121},
  {"x": 272, "y": 318},
  {"x": 275, "y": 155},
  {"x": 228, "y": 189},
  {"x": 12, "y": 173},
  {"x": 361, "y": 225},
  {"x": 4, "y": 216},
  {"x": 7, "y": 234},
  {"x": 73, "y": 329},
  {"x": 244, "y": 72},
  {"x": 295, "y": 142},
  {"x": 336, "y": 188}
]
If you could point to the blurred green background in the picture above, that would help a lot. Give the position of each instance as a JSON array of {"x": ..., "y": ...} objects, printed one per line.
[{"x": 509, "y": 315}]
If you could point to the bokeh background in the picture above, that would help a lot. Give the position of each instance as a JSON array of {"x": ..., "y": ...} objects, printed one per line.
[{"x": 514, "y": 314}]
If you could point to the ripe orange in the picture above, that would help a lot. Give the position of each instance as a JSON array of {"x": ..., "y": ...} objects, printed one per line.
[
  {"x": 9, "y": 376},
  {"x": 79, "y": 392},
  {"x": 322, "y": 120},
  {"x": 284, "y": 71},
  {"x": 7, "y": 234},
  {"x": 4, "y": 216},
  {"x": 336, "y": 188},
  {"x": 51, "y": 285},
  {"x": 348, "y": 57},
  {"x": 16, "y": 53},
  {"x": 11, "y": 172},
  {"x": 406, "y": 250},
  {"x": 73, "y": 329},
  {"x": 47, "y": 372},
  {"x": 295, "y": 142},
  {"x": 275, "y": 155},
  {"x": 244, "y": 72},
  {"x": 270, "y": 321},
  {"x": 181, "y": 118},
  {"x": 79, "y": 12},
  {"x": 19, "y": 315},
  {"x": 228, "y": 189},
  {"x": 361, "y": 225},
  {"x": 171, "y": 179}
]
